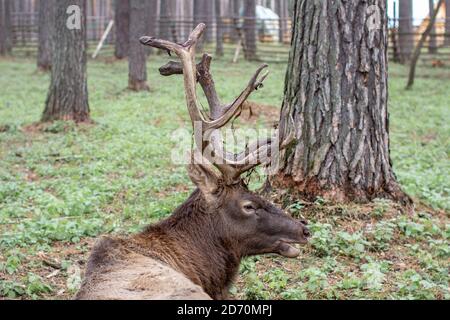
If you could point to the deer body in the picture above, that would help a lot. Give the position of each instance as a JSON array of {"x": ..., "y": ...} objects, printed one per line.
[{"x": 195, "y": 253}]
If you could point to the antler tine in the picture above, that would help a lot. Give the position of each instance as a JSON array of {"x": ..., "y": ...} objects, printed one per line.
[{"x": 229, "y": 164}]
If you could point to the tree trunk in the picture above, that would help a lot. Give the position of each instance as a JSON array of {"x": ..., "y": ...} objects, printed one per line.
[
  {"x": 122, "y": 26},
  {"x": 279, "y": 11},
  {"x": 432, "y": 43},
  {"x": 219, "y": 30},
  {"x": 235, "y": 14},
  {"x": 250, "y": 29},
  {"x": 418, "y": 49},
  {"x": 5, "y": 27},
  {"x": 447, "y": 22},
  {"x": 405, "y": 29},
  {"x": 151, "y": 11},
  {"x": 46, "y": 16},
  {"x": 137, "y": 66},
  {"x": 68, "y": 94},
  {"x": 336, "y": 94},
  {"x": 200, "y": 17}
]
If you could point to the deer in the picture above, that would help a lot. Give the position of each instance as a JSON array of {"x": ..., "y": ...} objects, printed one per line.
[{"x": 195, "y": 253}]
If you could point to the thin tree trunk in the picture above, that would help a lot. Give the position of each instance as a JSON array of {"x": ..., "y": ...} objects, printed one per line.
[
  {"x": 122, "y": 27},
  {"x": 219, "y": 30},
  {"x": 46, "y": 16},
  {"x": 137, "y": 66},
  {"x": 423, "y": 38},
  {"x": 405, "y": 29},
  {"x": 447, "y": 22},
  {"x": 235, "y": 14},
  {"x": 432, "y": 43},
  {"x": 151, "y": 11},
  {"x": 335, "y": 102},
  {"x": 200, "y": 17},
  {"x": 68, "y": 94},
  {"x": 5, "y": 27},
  {"x": 250, "y": 29},
  {"x": 279, "y": 11}
]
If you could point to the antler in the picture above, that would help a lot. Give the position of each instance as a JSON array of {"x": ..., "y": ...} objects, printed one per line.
[{"x": 209, "y": 140}]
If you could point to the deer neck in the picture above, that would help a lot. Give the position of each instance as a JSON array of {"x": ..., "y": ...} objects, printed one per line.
[{"x": 195, "y": 244}]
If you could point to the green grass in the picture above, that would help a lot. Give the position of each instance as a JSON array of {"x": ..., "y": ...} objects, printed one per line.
[{"x": 62, "y": 186}]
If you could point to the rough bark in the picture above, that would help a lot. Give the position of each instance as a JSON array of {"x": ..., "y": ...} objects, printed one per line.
[
  {"x": 250, "y": 29},
  {"x": 68, "y": 94},
  {"x": 219, "y": 30},
  {"x": 432, "y": 43},
  {"x": 46, "y": 16},
  {"x": 405, "y": 29},
  {"x": 5, "y": 27},
  {"x": 122, "y": 27},
  {"x": 447, "y": 22},
  {"x": 336, "y": 94},
  {"x": 137, "y": 64}
]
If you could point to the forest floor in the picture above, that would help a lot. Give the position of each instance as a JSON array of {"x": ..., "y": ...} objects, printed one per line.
[{"x": 63, "y": 185}]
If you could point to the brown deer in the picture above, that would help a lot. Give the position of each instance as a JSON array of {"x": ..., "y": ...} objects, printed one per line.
[{"x": 196, "y": 252}]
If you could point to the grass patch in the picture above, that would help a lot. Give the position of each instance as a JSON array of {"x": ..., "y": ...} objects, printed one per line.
[{"x": 61, "y": 185}]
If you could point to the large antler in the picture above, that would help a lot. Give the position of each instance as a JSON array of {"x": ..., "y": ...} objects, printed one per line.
[{"x": 209, "y": 140}]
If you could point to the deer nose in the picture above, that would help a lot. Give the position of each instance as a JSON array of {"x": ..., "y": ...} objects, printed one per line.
[{"x": 306, "y": 232}]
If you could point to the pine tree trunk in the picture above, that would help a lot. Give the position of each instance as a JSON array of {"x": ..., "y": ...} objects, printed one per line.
[
  {"x": 432, "y": 43},
  {"x": 336, "y": 94},
  {"x": 46, "y": 16},
  {"x": 200, "y": 17},
  {"x": 122, "y": 27},
  {"x": 5, "y": 27},
  {"x": 405, "y": 29},
  {"x": 447, "y": 22},
  {"x": 151, "y": 18},
  {"x": 137, "y": 66},
  {"x": 250, "y": 29},
  {"x": 68, "y": 94},
  {"x": 219, "y": 30}
]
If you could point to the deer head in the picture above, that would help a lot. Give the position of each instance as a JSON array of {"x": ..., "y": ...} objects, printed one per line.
[{"x": 252, "y": 224}]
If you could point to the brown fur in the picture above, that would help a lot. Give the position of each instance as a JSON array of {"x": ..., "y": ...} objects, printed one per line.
[{"x": 199, "y": 240}]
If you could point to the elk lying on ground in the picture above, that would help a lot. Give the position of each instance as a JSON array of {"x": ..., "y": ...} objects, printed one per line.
[{"x": 195, "y": 253}]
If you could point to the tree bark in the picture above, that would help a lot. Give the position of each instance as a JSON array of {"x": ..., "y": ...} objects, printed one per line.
[
  {"x": 137, "y": 65},
  {"x": 447, "y": 22},
  {"x": 405, "y": 29},
  {"x": 250, "y": 29},
  {"x": 151, "y": 11},
  {"x": 200, "y": 17},
  {"x": 67, "y": 98},
  {"x": 335, "y": 101},
  {"x": 5, "y": 27},
  {"x": 432, "y": 43},
  {"x": 219, "y": 29},
  {"x": 122, "y": 27},
  {"x": 46, "y": 16}
]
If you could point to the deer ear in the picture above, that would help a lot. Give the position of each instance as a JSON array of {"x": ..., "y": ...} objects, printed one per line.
[{"x": 205, "y": 178}]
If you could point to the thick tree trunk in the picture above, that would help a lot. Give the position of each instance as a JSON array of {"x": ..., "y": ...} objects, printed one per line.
[
  {"x": 122, "y": 27},
  {"x": 235, "y": 13},
  {"x": 336, "y": 94},
  {"x": 432, "y": 43},
  {"x": 46, "y": 16},
  {"x": 250, "y": 29},
  {"x": 405, "y": 29},
  {"x": 5, "y": 27},
  {"x": 137, "y": 66},
  {"x": 219, "y": 30},
  {"x": 68, "y": 94}
]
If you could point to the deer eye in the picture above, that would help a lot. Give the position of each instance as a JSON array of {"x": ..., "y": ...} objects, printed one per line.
[{"x": 248, "y": 208}]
